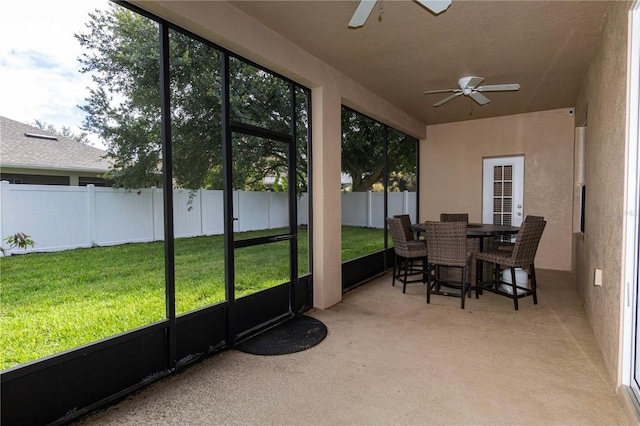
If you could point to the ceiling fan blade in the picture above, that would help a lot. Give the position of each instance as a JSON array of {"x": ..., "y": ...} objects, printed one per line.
[
  {"x": 479, "y": 98},
  {"x": 436, "y": 6},
  {"x": 362, "y": 13},
  {"x": 474, "y": 81},
  {"x": 428, "y": 92},
  {"x": 498, "y": 87},
  {"x": 447, "y": 99}
]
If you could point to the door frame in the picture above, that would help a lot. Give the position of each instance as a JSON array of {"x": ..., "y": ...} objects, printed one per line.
[
  {"x": 631, "y": 224},
  {"x": 252, "y": 313}
]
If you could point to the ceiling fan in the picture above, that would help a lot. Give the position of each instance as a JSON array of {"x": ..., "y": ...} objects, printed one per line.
[
  {"x": 469, "y": 87},
  {"x": 366, "y": 6}
]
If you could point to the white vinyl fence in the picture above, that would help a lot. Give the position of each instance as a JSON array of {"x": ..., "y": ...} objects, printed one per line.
[
  {"x": 67, "y": 217},
  {"x": 367, "y": 208}
]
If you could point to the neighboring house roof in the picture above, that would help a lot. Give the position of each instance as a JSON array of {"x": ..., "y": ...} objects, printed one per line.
[{"x": 29, "y": 147}]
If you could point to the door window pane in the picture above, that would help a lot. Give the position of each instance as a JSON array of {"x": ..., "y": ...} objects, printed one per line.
[{"x": 503, "y": 194}]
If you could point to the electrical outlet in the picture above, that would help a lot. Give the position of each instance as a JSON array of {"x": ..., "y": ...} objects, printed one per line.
[{"x": 597, "y": 277}]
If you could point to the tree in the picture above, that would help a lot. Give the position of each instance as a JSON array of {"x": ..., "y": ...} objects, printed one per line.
[
  {"x": 66, "y": 132},
  {"x": 123, "y": 59},
  {"x": 124, "y": 108},
  {"x": 363, "y": 154}
]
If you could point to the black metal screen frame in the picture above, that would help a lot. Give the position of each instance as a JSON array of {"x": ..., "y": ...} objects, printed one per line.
[
  {"x": 358, "y": 271},
  {"x": 67, "y": 385}
]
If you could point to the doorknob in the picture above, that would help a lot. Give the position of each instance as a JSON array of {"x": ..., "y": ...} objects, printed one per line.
[
  {"x": 519, "y": 206},
  {"x": 519, "y": 214}
]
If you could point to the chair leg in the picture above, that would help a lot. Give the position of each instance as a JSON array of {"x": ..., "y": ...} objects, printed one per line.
[
  {"x": 479, "y": 277},
  {"x": 515, "y": 290},
  {"x": 395, "y": 262},
  {"x": 463, "y": 286},
  {"x": 425, "y": 268},
  {"x": 406, "y": 272},
  {"x": 424, "y": 271},
  {"x": 428, "y": 284},
  {"x": 534, "y": 285}
]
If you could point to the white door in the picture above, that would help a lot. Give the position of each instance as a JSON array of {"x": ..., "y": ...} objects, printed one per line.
[{"x": 503, "y": 190}]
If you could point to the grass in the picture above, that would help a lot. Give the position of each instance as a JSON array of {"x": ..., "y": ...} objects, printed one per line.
[
  {"x": 358, "y": 241},
  {"x": 50, "y": 302}
]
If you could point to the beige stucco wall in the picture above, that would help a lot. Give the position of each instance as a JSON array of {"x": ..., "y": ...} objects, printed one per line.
[
  {"x": 602, "y": 103},
  {"x": 451, "y": 172}
]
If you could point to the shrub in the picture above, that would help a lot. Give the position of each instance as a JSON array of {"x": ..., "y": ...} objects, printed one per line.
[{"x": 19, "y": 239}]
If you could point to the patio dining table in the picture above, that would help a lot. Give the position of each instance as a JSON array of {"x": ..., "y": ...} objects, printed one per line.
[
  {"x": 480, "y": 233},
  {"x": 479, "y": 230}
]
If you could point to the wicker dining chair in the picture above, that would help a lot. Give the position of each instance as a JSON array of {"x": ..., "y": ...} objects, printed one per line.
[
  {"x": 522, "y": 256},
  {"x": 407, "y": 253},
  {"x": 454, "y": 217},
  {"x": 406, "y": 225},
  {"x": 447, "y": 247},
  {"x": 507, "y": 245}
]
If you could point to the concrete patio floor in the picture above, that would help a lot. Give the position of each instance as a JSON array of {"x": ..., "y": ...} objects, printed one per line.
[{"x": 391, "y": 359}]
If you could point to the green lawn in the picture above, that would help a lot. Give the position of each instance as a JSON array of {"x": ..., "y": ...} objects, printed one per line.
[{"x": 50, "y": 302}]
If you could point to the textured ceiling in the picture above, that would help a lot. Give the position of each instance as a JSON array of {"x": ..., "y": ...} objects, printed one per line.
[{"x": 545, "y": 46}]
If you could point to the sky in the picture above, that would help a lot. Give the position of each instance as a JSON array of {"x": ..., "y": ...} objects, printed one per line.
[{"x": 39, "y": 71}]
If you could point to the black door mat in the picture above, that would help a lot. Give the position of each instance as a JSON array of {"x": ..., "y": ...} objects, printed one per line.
[{"x": 294, "y": 335}]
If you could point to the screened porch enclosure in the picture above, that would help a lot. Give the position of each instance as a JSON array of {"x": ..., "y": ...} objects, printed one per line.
[
  {"x": 210, "y": 121},
  {"x": 206, "y": 237}
]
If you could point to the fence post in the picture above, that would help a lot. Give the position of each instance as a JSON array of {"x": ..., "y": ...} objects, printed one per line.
[
  {"x": 200, "y": 200},
  {"x": 369, "y": 209},
  {"x": 154, "y": 235},
  {"x": 4, "y": 192},
  {"x": 269, "y": 207},
  {"x": 235, "y": 224},
  {"x": 405, "y": 202},
  {"x": 91, "y": 210}
]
